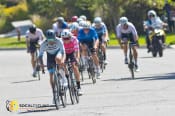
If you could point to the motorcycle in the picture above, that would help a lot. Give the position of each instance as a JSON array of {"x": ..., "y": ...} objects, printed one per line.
[{"x": 156, "y": 37}]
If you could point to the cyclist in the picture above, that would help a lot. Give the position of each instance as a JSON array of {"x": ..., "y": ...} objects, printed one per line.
[
  {"x": 87, "y": 37},
  {"x": 72, "y": 52},
  {"x": 153, "y": 22},
  {"x": 74, "y": 28},
  {"x": 83, "y": 17},
  {"x": 54, "y": 48},
  {"x": 59, "y": 26},
  {"x": 126, "y": 31},
  {"x": 101, "y": 30},
  {"x": 33, "y": 37},
  {"x": 74, "y": 18}
]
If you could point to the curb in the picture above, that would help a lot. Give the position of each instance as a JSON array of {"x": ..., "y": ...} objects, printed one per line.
[{"x": 108, "y": 47}]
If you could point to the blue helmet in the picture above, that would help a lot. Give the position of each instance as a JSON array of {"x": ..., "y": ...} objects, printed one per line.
[{"x": 50, "y": 35}]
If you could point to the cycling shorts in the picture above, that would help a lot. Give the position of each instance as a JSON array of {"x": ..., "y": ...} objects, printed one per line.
[
  {"x": 90, "y": 46},
  {"x": 51, "y": 63},
  {"x": 32, "y": 47},
  {"x": 128, "y": 37},
  {"x": 71, "y": 57}
]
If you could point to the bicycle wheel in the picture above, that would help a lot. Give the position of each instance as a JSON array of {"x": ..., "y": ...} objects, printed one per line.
[
  {"x": 101, "y": 61},
  {"x": 92, "y": 70},
  {"x": 62, "y": 92},
  {"x": 56, "y": 92},
  {"x": 74, "y": 88},
  {"x": 37, "y": 65},
  {"x": 131, "y": 67},
  {"x": 81, "y": 69},
  {"x": 71, "y": 90}
]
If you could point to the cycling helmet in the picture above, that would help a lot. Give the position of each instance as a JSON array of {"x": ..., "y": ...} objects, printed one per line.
[
  {"x": 66, "y": 33},
  {"x": 32, "y": 29},
  {"x": 151, "y": 12},
  {"x": 86, "y": 25},
  {"x": 123, "y": 20},
  {"x": 60, "y": 19},
  {"x": 79, "y": 20},
  {"x": 50, "y": 35},
  {"x": 74, "y": 18},
  {"x": 97, "y": 20},
  {"x": 81, "y": 23},
  {"x": 83, "y": 17},
  {"x": 74, "y": 26}
]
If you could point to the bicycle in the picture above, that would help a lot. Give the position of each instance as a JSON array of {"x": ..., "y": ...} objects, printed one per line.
[
  {"x": 101, "y": 58},
  {"x": 59, "y": 91},
  {"x": 72, "y": 85},
  {"x": 80, "y": 66},
  {"x": 38, "y": 62},
  {"x": 131, "y": 64},
  {"x": 91, "y": 66}
]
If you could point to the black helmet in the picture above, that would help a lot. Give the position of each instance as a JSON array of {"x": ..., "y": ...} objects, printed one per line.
[
  {"x": 50, "y": 34},
  {"x": 32, "y": 29}
]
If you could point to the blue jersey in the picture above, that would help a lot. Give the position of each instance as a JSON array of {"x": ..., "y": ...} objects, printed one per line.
[
  {"x": 101, "y": 30},
  {"x": 64, "y": 25},
  {"x": 89, "y": 37}
]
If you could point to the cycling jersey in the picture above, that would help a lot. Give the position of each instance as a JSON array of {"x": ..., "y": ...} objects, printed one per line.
[
  {"x": 101, "y": 30},
  {"x": 57, "y": 29},
  {"x": 89, "y": 37},
  {"x": 38, "y": 35},
  {"x": 52, "y": 48},
  {"x": 72, "y": 46},
  {"x": 130, "y": 30}
]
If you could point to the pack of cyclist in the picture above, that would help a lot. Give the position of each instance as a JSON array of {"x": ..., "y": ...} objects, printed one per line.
[{"x": 70, "y": 41}]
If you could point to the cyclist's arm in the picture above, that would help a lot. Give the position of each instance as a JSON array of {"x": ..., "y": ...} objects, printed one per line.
[
  {"x": 118, "y": 35},
  {"x": 95, "y": 39},
  {"x": 27, "y": 42}
]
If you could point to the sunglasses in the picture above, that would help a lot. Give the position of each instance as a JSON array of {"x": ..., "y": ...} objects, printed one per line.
[{"x": 151, "y": 15}]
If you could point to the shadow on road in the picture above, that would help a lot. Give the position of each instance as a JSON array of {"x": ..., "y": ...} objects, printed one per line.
[
  {"x": 144, "y": 57},
  {"x": 167, "y": 76},
  {"x": 119, "y": 79},
  {"x": 23, "y": 81}
]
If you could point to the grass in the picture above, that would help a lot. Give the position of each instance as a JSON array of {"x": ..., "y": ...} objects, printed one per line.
[
  {"x": 14, "y": 43},
  {"x": 170, "y": 39}
]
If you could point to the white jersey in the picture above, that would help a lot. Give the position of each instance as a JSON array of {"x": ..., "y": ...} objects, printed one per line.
[
  {"x": 131, "y": 29},
  {"x": 57, "y": 29},
  {"x": 38, "y": 35},
  {"x": 58, "y": 46}
]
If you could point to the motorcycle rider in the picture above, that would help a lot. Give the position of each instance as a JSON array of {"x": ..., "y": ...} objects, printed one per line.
[{"x": 153, "y": 22}]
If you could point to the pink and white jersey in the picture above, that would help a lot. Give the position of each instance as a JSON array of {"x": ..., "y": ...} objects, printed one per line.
[{"x": 72, "y": 46}]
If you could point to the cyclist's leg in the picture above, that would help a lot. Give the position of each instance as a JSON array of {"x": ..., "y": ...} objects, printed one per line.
[
  {"x": 83, "y": 53},
  {"x": 75, "y": 69},
  {"x": 95, "y": 58},
  {"x": 51, "y": 67},
  {"x": 125, "y": 50},
  {"x": 32, "y": 50}
]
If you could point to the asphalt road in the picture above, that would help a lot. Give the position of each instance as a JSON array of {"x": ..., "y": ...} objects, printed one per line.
[{"x": 115, "y": 94}]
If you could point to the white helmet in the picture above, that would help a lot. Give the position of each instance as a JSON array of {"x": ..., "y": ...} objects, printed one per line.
[
  {"x": 81, "y": 23},
  {"x": 86, "y": 25},
  {"x": 83, "y": 17},
  {"x": 152, "y": 12},
  {"x": 74, "y": 26},
  {"x": 123, "y": 20},
  {"x": 66, "y": 33},
  {"x": 97, "y": 20}
]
